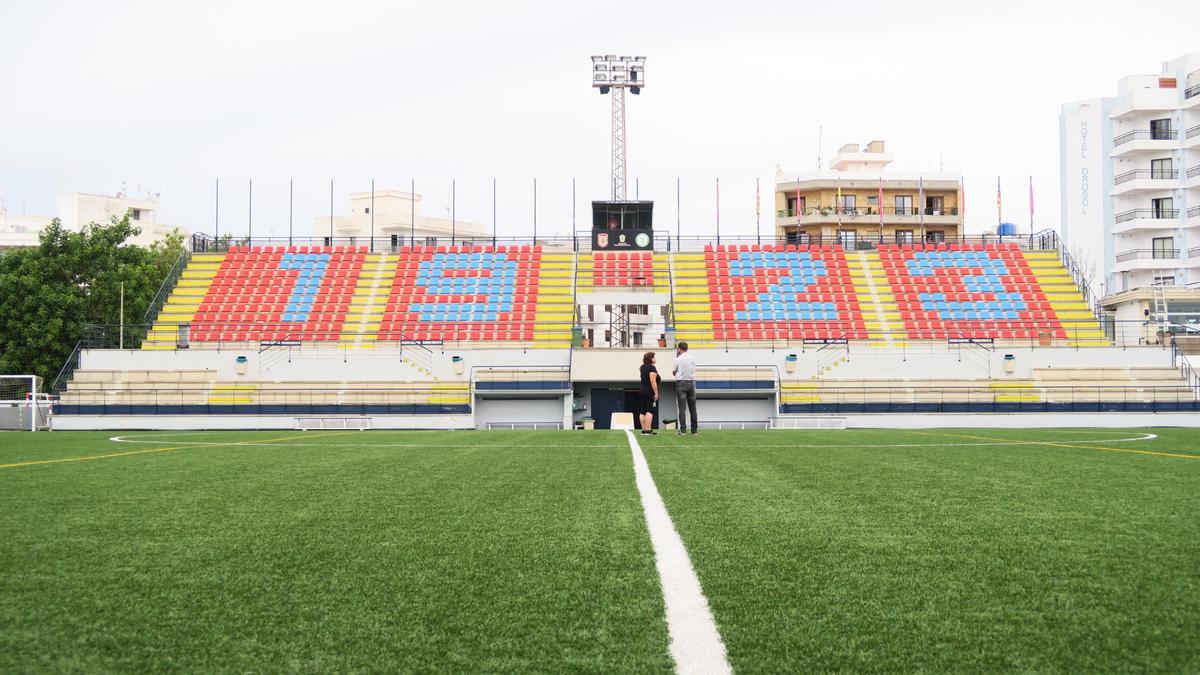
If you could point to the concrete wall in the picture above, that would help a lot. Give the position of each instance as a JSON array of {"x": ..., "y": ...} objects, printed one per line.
[{"x": 548, "y": 410}]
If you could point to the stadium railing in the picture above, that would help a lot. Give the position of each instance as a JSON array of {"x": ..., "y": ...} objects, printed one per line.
[
  {"x": 581, "y": 241},
  {"x": 778, "y": 336}
]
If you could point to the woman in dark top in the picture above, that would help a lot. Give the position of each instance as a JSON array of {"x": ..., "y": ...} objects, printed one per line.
[{"x": 649, "y": 393}]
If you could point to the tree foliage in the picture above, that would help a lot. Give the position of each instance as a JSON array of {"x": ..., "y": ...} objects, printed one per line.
[{"x": 72, "y": 279}]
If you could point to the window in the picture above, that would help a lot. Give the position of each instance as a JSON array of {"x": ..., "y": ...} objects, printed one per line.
[
  {"x": 791, "y": 206},
  {"x": 801, "y": 204},
  {"x": 1164, "y": 281},
  {"x": 935, "y": 237},
  {"x": 591, "y": 312},
  {"x": 1160, "y": 130},
  {"x": 367, "y": 210},
  {"x": 904, "y": 205},
  {"x": 1160, "y": 168},
  {"x": 872, "y": 200},
  {"x": 1163, "y": 247},
  {"x": 847, "y": 239},
  {"x": 608, "y": 336},
  {"x": 135, "y": 214},
  {"x": 904, "y": 236},
  {"x": 637, "y": 339},
  {"x": 608, "y": 308},
  {"x": 848, "y": 204},
  {"x": 1163, "y": 207},
  {"x": 933, "y": 206}
]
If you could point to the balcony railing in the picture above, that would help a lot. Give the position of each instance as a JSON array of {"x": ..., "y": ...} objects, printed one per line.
[
  {"x": 865, "y": 211},
  {"x": 1194, "y": 252},
  {"x": 1153, "y": 174},
  {"x": 1193, "y": 212},
  {"x": 1191, "y": 91},
  {"x": 1194, "y": 171},
  {"x": 1150, "y": 254},
  {"x": 1146, "y": 135},
  {"x": 1153, "y": 214},
  {"x": 1193, "y": 132}
]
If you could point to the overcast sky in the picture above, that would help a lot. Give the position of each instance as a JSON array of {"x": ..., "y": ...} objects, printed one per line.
[{"x": 169, "y": 96}]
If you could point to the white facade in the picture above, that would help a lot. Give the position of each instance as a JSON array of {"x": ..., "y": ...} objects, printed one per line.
[
  {"x": 394, "y": 213},
  {"x": 1130, "y": 179},
  {"x": 78, "y": 209}
]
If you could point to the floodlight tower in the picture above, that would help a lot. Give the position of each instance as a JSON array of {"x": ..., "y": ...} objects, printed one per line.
[{"x": 615, "y": 74}]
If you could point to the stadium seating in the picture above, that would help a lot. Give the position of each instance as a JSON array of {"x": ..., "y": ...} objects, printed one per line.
[
  {"x": 475, "y": 294},
  {"x": 200, "y": 392},
  {"x": 1064, "y": 388},
  {"x": 782, "y": 292},
  {"x": 621, "y": 270},
  {"x": 968, "y": 291},
  {"x": 278, "y": 293}
]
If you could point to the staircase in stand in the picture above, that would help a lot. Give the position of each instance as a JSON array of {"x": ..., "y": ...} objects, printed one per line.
[
  {"x": 875, "y": 297},
  {"x": 367, "y": 304}
]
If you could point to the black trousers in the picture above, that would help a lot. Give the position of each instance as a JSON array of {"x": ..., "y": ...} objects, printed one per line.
[{"x": 685, "y": 399}]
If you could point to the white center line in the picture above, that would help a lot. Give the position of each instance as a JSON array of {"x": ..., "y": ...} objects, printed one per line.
[{"x": 695, "y": 645}]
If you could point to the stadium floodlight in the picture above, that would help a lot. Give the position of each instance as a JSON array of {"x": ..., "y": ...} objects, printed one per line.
[{"x": 614, "y": 74}]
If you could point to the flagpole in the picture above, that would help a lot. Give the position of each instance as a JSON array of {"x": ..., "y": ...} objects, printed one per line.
[
  {"x": 921, "y": 204},
  {"x": 1031, "y": 206},
  {"x": 757, "y": 212},
  {"x": 718, "y": 211}
]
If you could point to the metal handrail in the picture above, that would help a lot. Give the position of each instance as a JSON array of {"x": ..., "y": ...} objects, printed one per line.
[
  {"x": 1153, "y": 174},
  {"x": 1146, "y": 135},
  {"x": 1191, "y": 91},
  {"x": 1194, "y": 171},
  {"x": 168, "y": 285},
  {"x": 1144, "y": 253},
  {"x": 1194, "y": 131},
  {"x": 1151, "y": 214},
  {"x": 68, "y": 369}
]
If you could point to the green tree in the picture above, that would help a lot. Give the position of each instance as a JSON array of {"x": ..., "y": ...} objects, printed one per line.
[{"x": 72, "y": 279}]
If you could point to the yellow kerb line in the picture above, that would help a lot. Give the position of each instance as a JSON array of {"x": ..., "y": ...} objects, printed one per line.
[
  {"x": 1068, "y": 445},
  {"x": 177, "y": 447}
]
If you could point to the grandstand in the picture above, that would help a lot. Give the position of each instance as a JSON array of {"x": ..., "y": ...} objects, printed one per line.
[{"x": 479, "y": 335}]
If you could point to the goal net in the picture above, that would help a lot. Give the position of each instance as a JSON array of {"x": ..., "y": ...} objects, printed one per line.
[{"x": 22, "y": 405}]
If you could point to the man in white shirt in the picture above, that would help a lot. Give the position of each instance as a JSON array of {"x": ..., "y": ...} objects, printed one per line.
[{"x": 685, "y": 388}]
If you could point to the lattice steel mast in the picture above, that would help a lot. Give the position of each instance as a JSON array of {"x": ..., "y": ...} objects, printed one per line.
[{"x": 615, "y": 74}]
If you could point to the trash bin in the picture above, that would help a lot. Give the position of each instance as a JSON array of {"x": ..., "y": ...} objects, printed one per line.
[
  {"x": 789, "y": 363},
  {"x": 576, "y": 337},
  {"x": 241, "y": 365},
  {"x": 1044, "y": 339},
  {"x": 457, "y": 363},
  {"x": 1010, "y": 364}
]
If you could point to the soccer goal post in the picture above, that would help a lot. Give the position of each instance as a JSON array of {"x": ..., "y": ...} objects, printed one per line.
[{"x": 23, "y": 407}]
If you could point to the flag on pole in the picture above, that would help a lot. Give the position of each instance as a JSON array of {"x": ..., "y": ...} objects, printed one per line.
[
  {"x": 880, "y": 200},
  {"x": 837, "y": 207},
  {"x": 962, "y": 200},
  {"x": 1031, "y": 205},
  {"x": 921, "y": 199},
  {"x": 999, "y": 210}
]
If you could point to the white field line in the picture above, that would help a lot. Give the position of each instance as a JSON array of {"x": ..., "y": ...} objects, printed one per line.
[
  {"x": 799, "y": 446},
  {"x": 696, "y": 645}
]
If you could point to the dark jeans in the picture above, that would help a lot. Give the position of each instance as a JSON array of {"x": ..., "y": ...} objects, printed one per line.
[{"x": 685, "y": 391}]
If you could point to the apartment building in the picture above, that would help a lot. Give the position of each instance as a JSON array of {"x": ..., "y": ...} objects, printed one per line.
[
  {"x": 81, "y": 208},
  {"x": 395, "y": 215},
  {"x": 842, "y": 203},
  {"x": 1130, "y": 180}
]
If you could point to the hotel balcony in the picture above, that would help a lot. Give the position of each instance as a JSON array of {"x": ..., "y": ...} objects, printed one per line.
[
  {"x": 1145, "y": 180},
  {"x": 1137, "y": 220},
  {"x": 1193, "y": 257},
  {"x": 1191, "y": 96},
  {"x": 1191, "y": 138},
  {"x": 867, "y": 215},
  {"x": 1193, "y": 217},
  {"x": 1191, "y": 177},
  {"x": 1149, "y": 259},
  {"x": 1145, "y": 140}
]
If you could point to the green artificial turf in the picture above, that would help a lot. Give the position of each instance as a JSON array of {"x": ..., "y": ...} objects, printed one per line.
[
  {"x": 375, "y": 551},
  {"x": 942, "y": 557}
]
